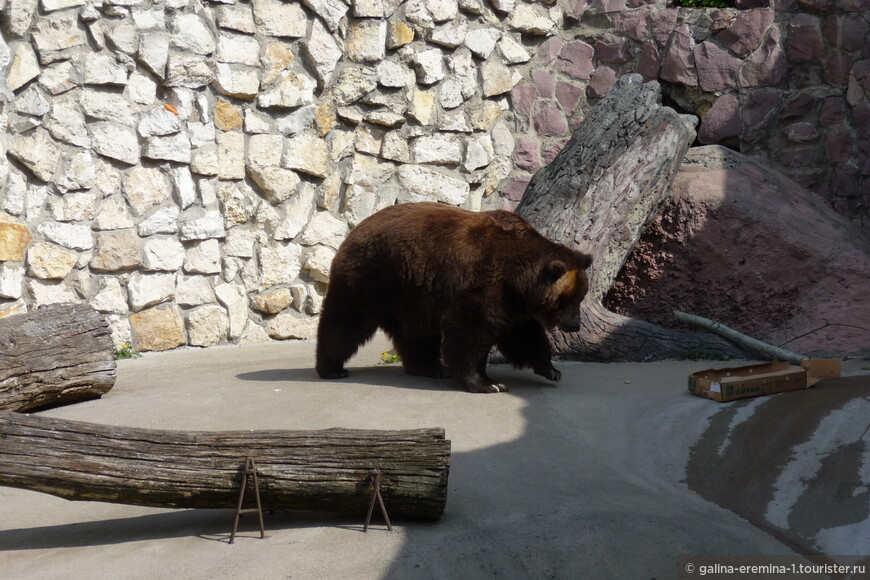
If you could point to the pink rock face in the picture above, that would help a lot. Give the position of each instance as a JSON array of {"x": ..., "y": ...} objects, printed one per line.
[
  {"x": 766, "y": 66},
  {"x": 721, "y": 121},
  {"x": 794, "y": 275},
  {"x": 747, "y": 30},
  {"x": 568, "y": 95},
  {"x": 678, "y": 66},
  {"x": 575, "y": 60},
  {"x": 845, "y": 31},
  {"x": 526, "y": 155},
  {"x": 550, "y": 121},
  {"x": 805, "y": 39},
  {"x": 613, "y": 49},
  {"x": 545, "y": 82},
  {"x": 603, "y": 79},
  {"x": 717, "y": 68},
  {"x": 649, "y": 61}
]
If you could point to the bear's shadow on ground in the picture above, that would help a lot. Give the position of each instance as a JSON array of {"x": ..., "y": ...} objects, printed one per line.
[{"x": 395, "y": 377}]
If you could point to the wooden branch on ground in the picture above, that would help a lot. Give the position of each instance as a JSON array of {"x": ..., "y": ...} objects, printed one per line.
[
  {"x": 327, "y": 470},
  {"x": 55, "y": 355},
  {"x": 747, "y": 342}
]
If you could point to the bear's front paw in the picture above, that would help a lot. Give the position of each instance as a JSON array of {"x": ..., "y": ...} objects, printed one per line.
[
  {"x": 481, "y": 386},
  {"x": 333, "y": 374},
  {"x": 551, "y": 373}
]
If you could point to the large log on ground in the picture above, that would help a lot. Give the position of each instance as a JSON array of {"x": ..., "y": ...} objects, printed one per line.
[
  {"x": 55, "y": 355},
  {"x": 326, "y": 470},
  {"x": 598, "y": 195}
]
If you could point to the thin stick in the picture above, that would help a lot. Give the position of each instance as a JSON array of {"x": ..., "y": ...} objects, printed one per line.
[{"x": 739, "y": 338}]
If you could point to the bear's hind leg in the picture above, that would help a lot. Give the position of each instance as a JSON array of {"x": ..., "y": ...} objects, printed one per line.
[
  {"x": 339, "y": 335},
  {"x": 526, "y": 345},
  {"x": 420, "y": 356}
]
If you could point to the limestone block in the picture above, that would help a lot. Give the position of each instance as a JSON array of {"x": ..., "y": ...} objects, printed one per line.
[
  {"x": 190, "y": 33},
  {"x": 231, "y": 155},
  {"x": 275, "y": 18},
  {"x": 72, "y": 236},
  {"x": 279, "y": 264},
  {"x": 44, "y": 293},
  {"x": 323, "y": 52},
  {"x": 288, "y": 91},
  {"x": 154, "y": 52},
  {"x": 307, "y": 153},
  {"x": 330, "y": 11},
  {"x": 116, "y": 250},
  {"x": 23, "y": 67},
  {"x": 286, "y": 326},
  {"x": 438, "y": 148},
  {"x": 236, "y": 81},
  {"x": 159, "y": 328},
  {"x": 194, "y": 290},
  {"x": 238, "y": 17},
  {"x": 38, "y": 152},
  {"x": 429, "y": 66},
  {"x": 11, "y": 280},
  {"x": 352, "y": 84},
  {"x": 531, "y": 19},
  {"x": 238, "y": 203},
  {"x": 50, "y": 262},
  {"x": 150, "y": 289},
  {"x": 162, "y": 254},
  {"x": 170, "y": 148},
  {"x": 157, "y": 122},
  {"x": 110, "y": 296},
  {"x": 449, "y": 35},
  {"x": 202, "y": 225},
  {"x": 272, "y": 301},
  {"x": 238, "y": 49},
  {"x": 14, "y": 239},
  {"x": 433, "y": 184},
  {"x": 115, "y": 141},
  {"x": 163, "y": 221},
  {"x": 232, "y": 297},
  {"x": 207, "y": 325},
  {"x": 102, "y": 69},
  {"x": 326, "y": 229},
  {"x": 276, "y": 183},
  {"x": 56, "y": 37},
  {"x": 318, "y": 262},
  {"x": 146, "y": 188},
  {"x": 203, "y": 257},
  {"x": 482, "y": 41},
  {"x": 189, "y": 71},
  {"x": 366, "y": 40}
]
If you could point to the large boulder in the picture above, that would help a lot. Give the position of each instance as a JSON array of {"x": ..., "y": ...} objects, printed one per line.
[{"x": 746, "y": 246}]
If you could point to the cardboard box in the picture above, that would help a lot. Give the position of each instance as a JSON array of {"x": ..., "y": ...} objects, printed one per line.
[{"x": 762, "y": 379}]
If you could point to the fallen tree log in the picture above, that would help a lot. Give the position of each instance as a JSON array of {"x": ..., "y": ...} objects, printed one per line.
[
  {"x": 55, "y": 355},
  {"x": 327, "y": 470},
  {"x": 598, "y": 195}
]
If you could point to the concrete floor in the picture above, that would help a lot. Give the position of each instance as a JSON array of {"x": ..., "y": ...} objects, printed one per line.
[{"x": 615, "y": 472}]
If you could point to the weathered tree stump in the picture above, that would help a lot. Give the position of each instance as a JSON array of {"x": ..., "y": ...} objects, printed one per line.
[
  {"x": 598, "y": 195},
  {"x": 327, "y": 470},
  {"x": 55, "y": 355}
]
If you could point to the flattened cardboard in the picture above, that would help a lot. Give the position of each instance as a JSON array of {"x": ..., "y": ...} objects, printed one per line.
[{"x": 735, "y": 383}]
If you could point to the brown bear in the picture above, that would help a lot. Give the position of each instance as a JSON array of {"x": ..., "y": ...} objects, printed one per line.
[{"x": 446, "y": 285}]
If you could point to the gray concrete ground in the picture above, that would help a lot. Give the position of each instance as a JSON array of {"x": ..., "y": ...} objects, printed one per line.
[{"x": 587, "y": 479}]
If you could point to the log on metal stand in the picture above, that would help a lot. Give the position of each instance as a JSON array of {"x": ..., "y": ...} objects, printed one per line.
[
  {"x": 598, "y": 195},
  {"x": 55, "y": 355},
  {"x": 326, "y": 470}
]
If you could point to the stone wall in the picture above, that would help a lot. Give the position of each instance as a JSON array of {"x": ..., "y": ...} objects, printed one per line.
[{"x": 189, "y": 168}]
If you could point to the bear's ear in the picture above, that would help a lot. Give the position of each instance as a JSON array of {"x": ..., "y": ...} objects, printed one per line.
[
  {"x": 586, "y": 261},
  {"x": 553, "y": 270}
]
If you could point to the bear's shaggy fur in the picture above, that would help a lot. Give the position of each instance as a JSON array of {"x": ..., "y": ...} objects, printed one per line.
[{"x": 446, "y": 285}]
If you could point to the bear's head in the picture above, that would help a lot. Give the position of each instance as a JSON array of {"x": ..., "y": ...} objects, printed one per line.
[{"x": 564, "y": 284}]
